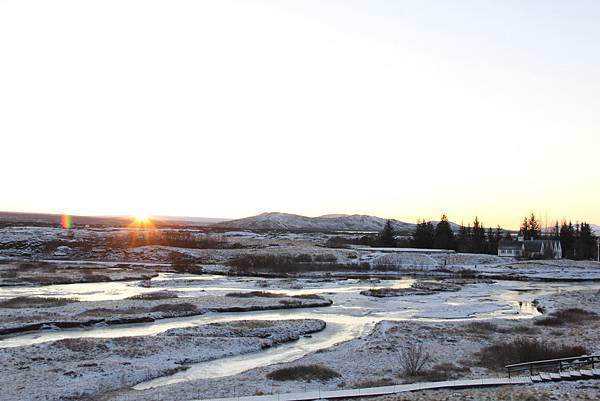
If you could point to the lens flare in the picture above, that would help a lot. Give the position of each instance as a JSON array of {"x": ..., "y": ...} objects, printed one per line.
[
  {"x": 66, "y": 221},
  {"x": 141, "y": 221}
]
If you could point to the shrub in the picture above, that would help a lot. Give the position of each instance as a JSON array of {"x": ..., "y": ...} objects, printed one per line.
[
  {"x": 413, "y": 359},
  {"x": 252, "y": 294},
  {"x": 184, "y": 307},
  {"x": 174, "y": 238},
  {"x": 385, "y": 381},
  {"x": 525, "y": 330},
  {"x": 35, "y": 302},
  {"x": 183, "y": 263},
  {"x": 467, "y": 273},
  {"x": 564, "y": 316},
  {"x": 523, "y": 349},
  {"x": 442, "y": 372},
  {"x": 155, "y": 295},
  {"x": 87, "y": 345},
  {"x": 481, "y": 327},
  {"x": 291, "y": 264},
  {"x": 9, "y": 274},
  {"x": 303, "y": 372}
]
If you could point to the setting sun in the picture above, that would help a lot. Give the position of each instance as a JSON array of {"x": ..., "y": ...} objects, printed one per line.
[{"x": 141, "y": 221}]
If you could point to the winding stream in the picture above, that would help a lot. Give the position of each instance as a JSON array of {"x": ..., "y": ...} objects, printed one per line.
[{"x": 351, "y": 315}]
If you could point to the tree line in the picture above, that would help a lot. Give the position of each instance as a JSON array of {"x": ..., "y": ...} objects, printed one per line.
[{"x": 577, "y": 240}]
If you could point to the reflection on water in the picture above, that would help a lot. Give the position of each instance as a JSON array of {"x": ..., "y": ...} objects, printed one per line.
[{"x": 350, "y": 316}]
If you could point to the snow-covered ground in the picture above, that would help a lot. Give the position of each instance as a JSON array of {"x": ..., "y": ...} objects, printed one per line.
[
  {"x": 375, "y": 359},
  {"x": 87, "y": 367},
  {"x": 440, "y": 320},
  {"x": 71, "y": 314}
]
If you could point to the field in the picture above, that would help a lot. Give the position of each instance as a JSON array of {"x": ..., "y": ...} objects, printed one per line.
[{"x": 244, "y": 313}]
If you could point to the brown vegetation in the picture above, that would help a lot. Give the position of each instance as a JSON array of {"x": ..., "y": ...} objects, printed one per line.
[
  {"x": 155, "y": 295},
  {"x": 567, "y": 316},
  {"x": 523, "y": 349},
  {"x": 303, "y": 372},
  {"x": 184, "y": 307},
  {"x": 292, "y": 264},
  {"x": 35, "y": 302},
  {"x": 413, "y": 359}
]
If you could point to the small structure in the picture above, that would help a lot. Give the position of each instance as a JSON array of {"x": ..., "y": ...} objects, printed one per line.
[{"x": 532, "y": 249}]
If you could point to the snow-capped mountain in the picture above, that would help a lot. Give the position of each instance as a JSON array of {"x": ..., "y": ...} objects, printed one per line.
[{"x": 328, "y": 222}]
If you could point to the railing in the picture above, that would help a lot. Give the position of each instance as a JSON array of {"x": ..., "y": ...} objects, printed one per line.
[{"x": 560, "y": 364}]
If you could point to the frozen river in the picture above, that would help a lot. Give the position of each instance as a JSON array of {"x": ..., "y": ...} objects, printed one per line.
[{"x": 350, "y": 316}]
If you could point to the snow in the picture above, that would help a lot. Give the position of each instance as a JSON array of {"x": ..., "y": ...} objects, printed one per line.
[
  {"x": 139, "y": 310},
  {"x": 76, "y": 367},
  {"x": 286, "y": 221}
]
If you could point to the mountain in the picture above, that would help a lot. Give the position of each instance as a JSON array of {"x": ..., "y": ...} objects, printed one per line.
[
  {"x": 189, "y": 219},
  {"x": 328, "y": 222}
]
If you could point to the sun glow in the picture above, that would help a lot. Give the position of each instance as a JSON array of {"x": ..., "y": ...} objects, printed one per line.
[{"x": 141, "y": 221}]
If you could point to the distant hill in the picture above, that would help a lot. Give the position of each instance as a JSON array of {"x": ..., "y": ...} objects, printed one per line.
[
  {"x": 16, "y": 218},
  {"x": 43, "y": 219},
  {"x": 328, "y": 222},
  {"x": 190, "y": 219}
]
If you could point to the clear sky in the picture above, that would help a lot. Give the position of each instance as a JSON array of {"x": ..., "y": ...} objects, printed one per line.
[{"x": 402, "y": 109}]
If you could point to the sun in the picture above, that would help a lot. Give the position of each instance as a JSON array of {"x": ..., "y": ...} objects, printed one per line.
[
  {"x": 141, "y": 220},
  {"x": 142, "y": 217}
]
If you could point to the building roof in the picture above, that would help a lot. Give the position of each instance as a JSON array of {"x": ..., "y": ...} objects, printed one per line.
[
  {"x": 507, "y": 244},
  {"x": 534, "y": 245}
]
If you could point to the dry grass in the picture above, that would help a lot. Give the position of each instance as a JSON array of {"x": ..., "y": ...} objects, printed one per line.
[
  {"x": 567, "y": 316},
  {"x": 523, "y": 349},
  {"x": 481, "y": 328},
  {"x": 442, "y": 372},
  {"x": 385, "y": 381},
  {"x": 35, "y": 302},
  {"x": 303, "y": 372},
  {"x": 81, "y": 345},
  {"x": 168, "y": 308},
  {"x": 253, "y": 294},
  {"x": 104, "y": 312},
  {"x": 153, "y": 296}
]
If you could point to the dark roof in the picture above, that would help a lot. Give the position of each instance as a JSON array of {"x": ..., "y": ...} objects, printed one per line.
[
  {"x": 506, "y": 244},
  {"x": 534, "y": 245}
]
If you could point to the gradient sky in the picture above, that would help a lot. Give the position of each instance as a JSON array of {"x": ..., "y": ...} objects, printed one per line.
[{"x": 402, "y": 109}]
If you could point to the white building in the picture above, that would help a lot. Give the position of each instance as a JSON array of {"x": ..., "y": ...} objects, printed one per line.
[{"x": 532, "y": 249}]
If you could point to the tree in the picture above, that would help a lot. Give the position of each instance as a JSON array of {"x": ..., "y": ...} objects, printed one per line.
[
  {"x": 535, "y": 227},
  {"x": 478, "y": 238},
  {"x": 413, "y": 359},
  {"x": 524, "y": 230},
  {"x": 423, "y": 235},
  {"x": 444, "y": 237},
  {"x": 567, "y": 239},
  {"x": 388, "y": 235},
  {"x": 462, "y": 242},
  {"x": 585, "y": 244}
]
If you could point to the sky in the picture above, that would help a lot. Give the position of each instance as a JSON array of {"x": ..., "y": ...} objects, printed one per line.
[{"x": 401, "y": 109}]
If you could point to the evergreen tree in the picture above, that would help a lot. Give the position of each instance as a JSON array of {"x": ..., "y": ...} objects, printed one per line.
[
  {"x": 443, "y": 235},
  {"x": 462, "y": 240},
  {"x": 478, "y": 237},
  {"x": 423, "y": 235},
  {"x": 524, "y": 230},
  {"x": 585, "y": 244},
  {"x": 567, "y": 239},
  {"x": 387, "y": 235},
  {"x": 535, "y": 227}
]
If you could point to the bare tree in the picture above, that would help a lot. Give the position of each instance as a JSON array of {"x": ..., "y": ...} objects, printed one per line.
[{"x": 413, "y": 359}]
